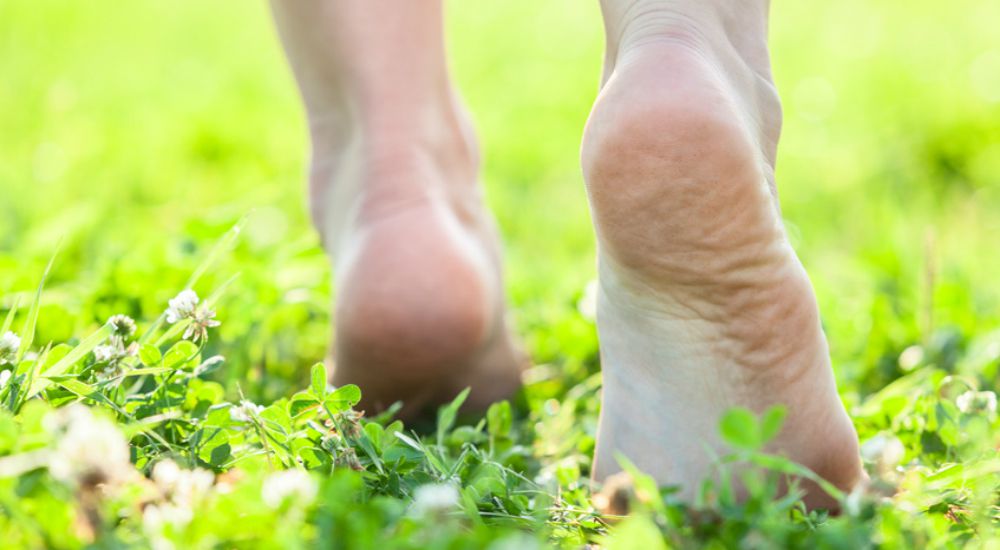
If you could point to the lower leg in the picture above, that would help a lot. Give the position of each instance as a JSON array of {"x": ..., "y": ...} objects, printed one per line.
[
  {"x": 703, "y": 303},
  {"x": 393, "y": 192},
  {"x": 378, "y": 99}
]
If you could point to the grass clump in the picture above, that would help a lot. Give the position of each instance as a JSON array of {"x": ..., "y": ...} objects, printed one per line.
[{"x": 127, "y": 438}]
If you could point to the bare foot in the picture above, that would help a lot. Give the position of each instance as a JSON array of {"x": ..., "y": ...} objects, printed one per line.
[
  {"x": 420, "y": 307},
  {"x": 703, "y": 304}
]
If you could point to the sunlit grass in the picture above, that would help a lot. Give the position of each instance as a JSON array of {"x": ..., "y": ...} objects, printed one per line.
[{"x": 136, "y": 134}]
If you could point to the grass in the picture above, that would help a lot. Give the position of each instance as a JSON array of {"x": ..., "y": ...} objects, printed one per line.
[{"x": 135, "y": 135}]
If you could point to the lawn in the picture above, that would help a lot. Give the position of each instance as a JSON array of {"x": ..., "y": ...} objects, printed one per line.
[{"x": 135, "y": 136}]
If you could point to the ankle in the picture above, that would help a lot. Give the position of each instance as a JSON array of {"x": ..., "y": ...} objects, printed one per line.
[
  {"x": 370, "y": 156},
  {"x": 395, "y": 132},
  {"x": 730, "y": 41},
  {"x": 729, "y": 30}
]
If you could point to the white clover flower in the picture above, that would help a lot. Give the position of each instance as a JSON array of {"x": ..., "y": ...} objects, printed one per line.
[
  {"x": 166, "y": 473},
  {"x": 9, "y": 344},
  {"x": 245, "y": 411},
  {"x": 5, "y": 377},
  {"x": 106, "y": 353},
  {"x": 434, "y": 498},
  {"x": 911, "y": 358},
  {"x": 182, "y": 306},
  {"x": 114, "y": 352},
  {"x": 88, "y": 449},
  {"x": 280, "y": 486},
  {"x": 112, "y": 355},
  {"x": 180, "y": 493},
  {"x": 977, "y": 401},
  {"x": 182, "y": 487},
  {"x": 122, "y": 328},
  {"x": 884, "y": 450},
  {"x": 202, "y": 320},
  {"x": 185, "y": 306},
  {"x": 157, "y": 516}
]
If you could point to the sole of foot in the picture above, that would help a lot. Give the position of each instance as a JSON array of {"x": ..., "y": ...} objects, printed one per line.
[{"x": 703, "y": 304}]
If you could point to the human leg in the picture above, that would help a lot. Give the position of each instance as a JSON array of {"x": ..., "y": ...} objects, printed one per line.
[{"x": 394, "y": 193}]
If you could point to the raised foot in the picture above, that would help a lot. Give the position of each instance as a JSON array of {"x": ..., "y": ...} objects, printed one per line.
[
  {"x": 420, "y": 309},
  {"x": 703, "y": 305}
]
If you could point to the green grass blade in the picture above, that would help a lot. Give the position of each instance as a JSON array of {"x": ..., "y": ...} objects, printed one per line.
[
  {"x": 447, "y": 415},
  {"x": 224, "y": 245},
  {"x": 28, "y": 331},
  {"x": 146, "y": 370},
  {"x": 71, "y": 358},
  {"x": 217, "y": 293},
  {"x": 10, "y": 317}
]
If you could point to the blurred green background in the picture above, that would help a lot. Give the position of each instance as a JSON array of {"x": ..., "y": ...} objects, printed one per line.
[{"x": 136, "y": 133}]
